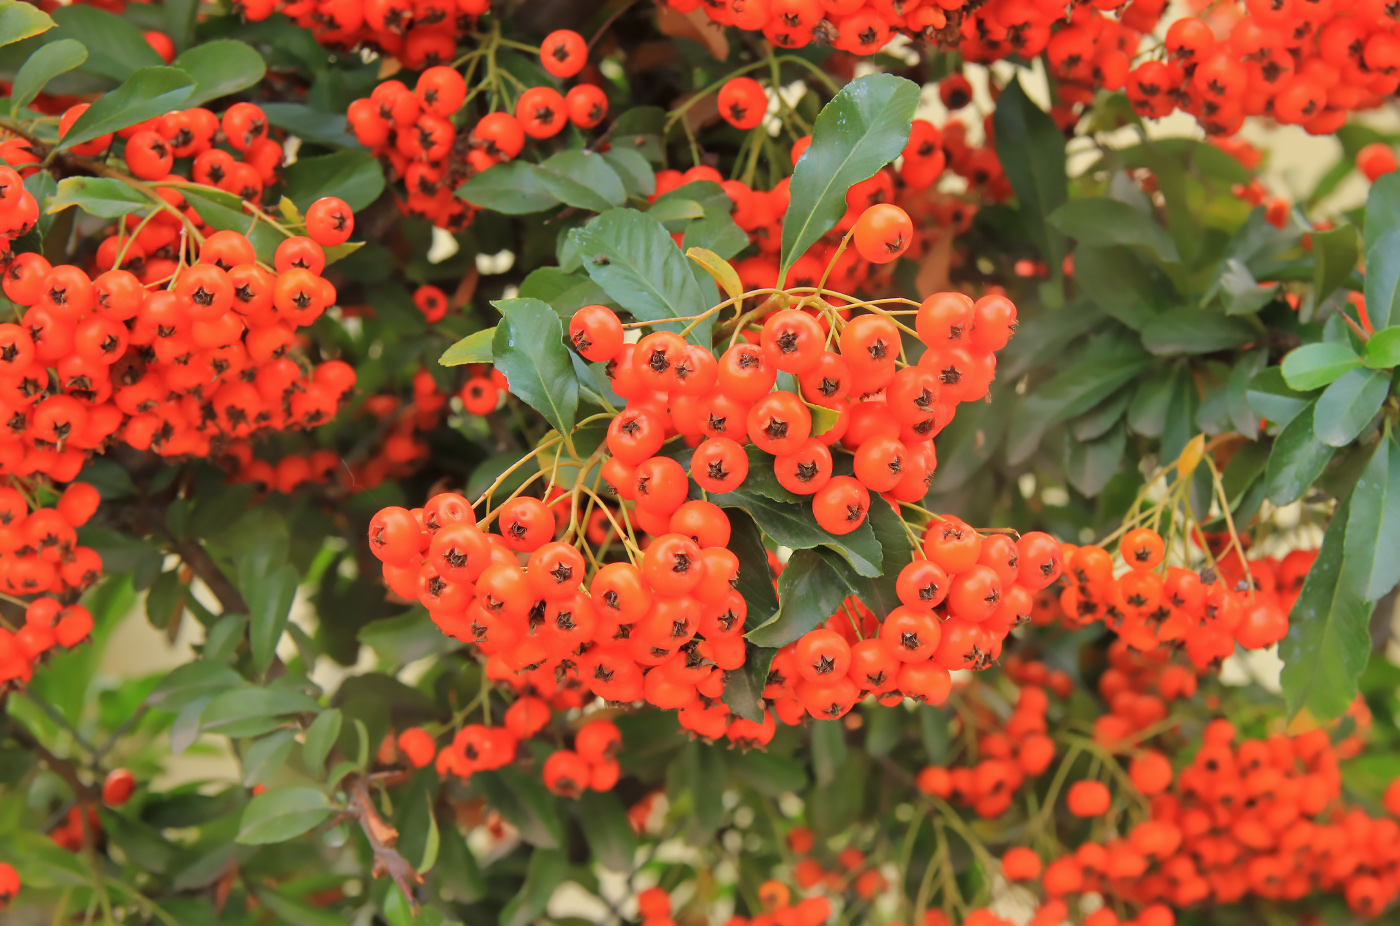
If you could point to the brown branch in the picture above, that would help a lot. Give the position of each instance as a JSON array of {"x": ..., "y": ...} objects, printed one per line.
[
  {"x": 58, "y": 765},
  {"x": 202, "y": 564},
  {"x": 382, "y": 839}
]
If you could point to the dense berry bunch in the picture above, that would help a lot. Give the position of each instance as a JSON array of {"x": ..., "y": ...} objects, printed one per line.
[
  {"x": 420, "y": 34},
  {"x": 859, "y": 27},
  {"x": 1206, "y": 611},
  {"x": 421, "y": 135}
]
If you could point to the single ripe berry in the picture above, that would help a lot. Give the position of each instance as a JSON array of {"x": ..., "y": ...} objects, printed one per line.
[
  {"x": 118, "y": 787},
  {"x": 883, "y": 232},
  {"x": 742, "y": 103},
  {"x": 1089, "y": 799},
  {"x": 417, "y": 746}
]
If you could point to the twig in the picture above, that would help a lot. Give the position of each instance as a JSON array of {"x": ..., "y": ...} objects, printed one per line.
[{"x": 382, "y": 839}]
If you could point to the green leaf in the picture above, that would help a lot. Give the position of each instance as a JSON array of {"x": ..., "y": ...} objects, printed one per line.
[
  {"x": 767, "y": 773},
  {"x": 147, "y": 93},
  {"x": 524, "y": 801},
  {"x": 1090, "y": 464},
  {"x": 167, "y": 593},
  {"x": 1032, "y": 154},
  {"x": 400, "y": 640},
  {"x": 810, "y": 590},
  {"x": 1382, "y": 284},
  {"x": 1071, "y": 392},
  {"x": 1296, "y": 461},
  {"x": 755, "y": 579},
  {"x": 864, "y": 127},
  {"x": 1121, "y": 283},
  {"x": 280, "y": 814},
  {"x": 254, "y": 711},
  {"x": 1382, "y": 209},
  {"x": 529, "y": 350},
  {"x": 1195, "y": 331},
  {"x": 1104, "y": 222},
  {"x": 353, "y": 175},
  {"x": 791, "y": 525},
  {"x": 829, "y": 752},
  {"x": 115, "y": 47},
  {"x": 266, "y": 757},
  {"x": 1270, "y": 397},
  {"x": 43, "y": 65},
  {"x": 1315, "y": 365},
  {"x": 1147, "y": 414},
  {"x": 583, "y": 180},
  {"x": 474, "y": 348},
  {"x": 512, "y": 188},
  {"x": 637, "y": 263},
  {"x": 743, "y": 689},
  {"x": 634, "y": 171},
  {"x": 220, "y": 68},
  {"x": 1370, "y": 567},
  {"x": 296, "y": 912},
  {"x": 1237, "y": 390},
  {"x": 20, "y": 21},
  {"x": 419, "y": 837},
  {"x": 1348, "y": 405},
  {"x": 1334, "y": 259},
  {"x": 1096, "y": 422},
  {"x": 269, "y": 605},
  {"x": 191, "y": 682},
  {"x": 545, "y": 871},
  {"x": 320, "y": 739},
  {"x": 1328, "y": 643},
  {"x": 1382, "y": 350},
  {"x": 675, "y": 212},
  {"x": 604, "y": 822},
  {"x": 311, "y": 124},
  {"x": 104, "y": 197}
]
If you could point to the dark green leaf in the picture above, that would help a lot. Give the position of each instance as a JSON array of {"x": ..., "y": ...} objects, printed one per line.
[
  {"x": 20, "y": 21},
  {"x": 1334, "y": 259},
  {"x": 1382, "y": 287},
  {"x": 419, "y": 836},
  {"x": 190, "y": 682},
  {"x": 636, "y": 262},
  {"x": 1147, "y": 414},
  {"x": 296, "y": 912},
  {"x": 1270, "y": 397},
  {"x": 353, "y": 175},
  {"x": 458, "y": 878},
  {"x": 310, "y": 124},
  {"x": 1328, "y": 643},
  {"x": 1370, "y": 566},
  {"x": 512, "y": 188},
  {"x": 1382, "y": 209},
  {"x": 1240, "y": 292},
  {"x": 474, "y": 348},
  {"x": 1071, "y": 392},
  {"x": 269, "y": 604},
  {"x": 1103, "y": 222},
  {"x": 143, "y": 845},
  {"x": 766, "y": 773},
  {"x": 524, "y": 801},
  {"x": 1383, "y": 349},
  {"x": 835, "y": 807},
  {"x": 1348, "y": 405},
  {"x": 829, "y": 752},
  {"x": 604, "y": 822},
  {"x": 165, "y": 598},
  {"x": 266, "y": 757},
  {"x": 1313, "y": 366},
  {"x": 583, "y": 180},
  {"x": 1296, "y": 461},
  {"x": 755, "y": 580},
  {"x": 280, "y": 814},
  {"x": 743, "y": 689},
  {"x": 1195, "y": 331},
  {"x": 704, "y": 774},
  {"x": 147, "y": 93},
  {"x": 1090, "y": 464},
  {"x": 1120, "y": 283},
  {"x": 529, "y": 350},
  {"x": 791, "y": 525},
  {"x": 809, "y": 591},
  {"x": 253, "y": 711},
  {"x": 115, "y": 47},
  {"x": 565, "y": 292},
  {"x": 401, "y": 640},
  {"x": 633, "y": 170},
  {"x": 220, "y": 68},
  {"x": 863, "y": 128},
  {"x": 675, "y": 212},
  {"x": 320, "y": 739},
  {"x": 1237, "y": 390},
  {"x": 546, "y": 871},
  {"x": 47, "y": 62},
  {"x": 1032, "y": 154},
  {"x": 1097, "y": 421}
]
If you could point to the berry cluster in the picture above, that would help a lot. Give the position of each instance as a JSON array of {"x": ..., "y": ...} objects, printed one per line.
[
  {"x": 958, "y": 603},
  {"x": 47, "y": 624},
  {"x": 420, "y": 34},
  {"x": 414, "y": 130},
  {"x": 1207, "y": 611},
  {"x": 858, "y": 27}
]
